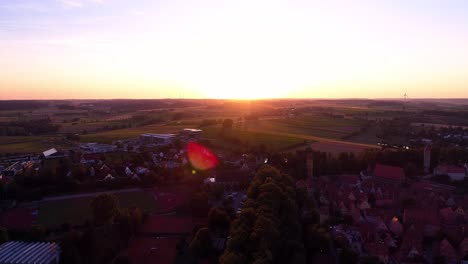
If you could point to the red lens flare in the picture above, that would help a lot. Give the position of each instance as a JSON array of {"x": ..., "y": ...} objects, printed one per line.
[{"x": 201, "y": 157}]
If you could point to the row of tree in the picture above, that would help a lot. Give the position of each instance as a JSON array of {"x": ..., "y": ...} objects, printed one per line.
[{"x": 268, "y": 229}]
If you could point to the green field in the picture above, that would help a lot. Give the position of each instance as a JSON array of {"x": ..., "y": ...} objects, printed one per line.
[
  {"x": 271, "y": 141},
  {"x": 77, "y": 210},
  {"x": 29, "y": 144},
  {"x": 110, "y": 136}
]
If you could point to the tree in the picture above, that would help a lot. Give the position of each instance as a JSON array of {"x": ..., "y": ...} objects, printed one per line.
[
  {"x": 199, "y": 204},
  {"x": 217, "y": 191},
  {"x": 233, "y": 258},
  {"x": 3, "y": 235},
  {"x": 122, "y": 260},
  {"x": 218, "y": 219},
  {"x": 227, "y": 123},
  {"x": 269, "y": 221},
  {"x": 201, "y": 244},
  {"x": 37, "y": 233},
  {"x": 226, "y": 127},
  {"x": 69, "y": 252},
  {"x": 104, "y": 208}
]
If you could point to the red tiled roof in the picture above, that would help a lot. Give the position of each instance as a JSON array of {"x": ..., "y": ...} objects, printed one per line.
[
  {"x": 376, "y": 249},
  {"x": 389, "y": 172},
  {"x": 348, "y": 178},
  {"x": 152, "y": 250},
  {"x": 448, "y": 215},
  {"x": 384, "y": 203},
  {"x": 447, "y": 250},
  {"x": 90, "y": 156},
  {"x": 421, "y": 216},
  {"x": 422, "y": 186}
]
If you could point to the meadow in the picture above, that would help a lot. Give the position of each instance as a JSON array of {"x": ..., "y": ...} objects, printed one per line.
[{"x": 77, "y": 210}]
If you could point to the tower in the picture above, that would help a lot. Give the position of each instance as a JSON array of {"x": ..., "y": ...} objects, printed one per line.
[
  {"x": 309, "y": 163},
  {"x": 427, "y": 158}
]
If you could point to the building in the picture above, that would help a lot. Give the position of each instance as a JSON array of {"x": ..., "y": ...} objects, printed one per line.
[
  {"x": 157, "y": 139},
  {"x": 389, "y": 174},
  {"x": 29, "y": 252},
  {"x": 97, "y": 148},
  {"x": 455, "y": 173},
  {"x": 191, "y": 133},
  {"x": 52, "y": 154},
  {"x": 13, "y": 169}
]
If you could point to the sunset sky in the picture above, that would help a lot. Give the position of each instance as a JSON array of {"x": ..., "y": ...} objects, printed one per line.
[{"x": 233, "y": 49}]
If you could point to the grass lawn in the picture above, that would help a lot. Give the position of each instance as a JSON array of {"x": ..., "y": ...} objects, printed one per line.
[{"x": 77, "y": 210}]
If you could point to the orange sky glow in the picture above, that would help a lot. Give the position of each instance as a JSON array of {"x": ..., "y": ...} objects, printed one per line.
[{"x": 74, "y": 49}]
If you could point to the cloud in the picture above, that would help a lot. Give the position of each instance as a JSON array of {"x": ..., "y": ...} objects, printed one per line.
[
  {"x": 137, "y": 12},
  {"x": 23, "y": 6},
  {"x": 78, "y": 3}
]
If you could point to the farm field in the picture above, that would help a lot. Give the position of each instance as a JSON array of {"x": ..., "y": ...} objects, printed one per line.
[
  {"x": 77, "y": 210},
  {"x": 309, "y": 125},
  {"x": 269, "y": 140},
  {"x": 113, "y": 135}
]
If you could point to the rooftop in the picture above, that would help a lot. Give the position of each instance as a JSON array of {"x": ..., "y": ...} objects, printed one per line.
[
  {"x": 49, "y": 152},
  {"x": 192, "y": 130},
  {"x": 29, "y": 252},
  {"x": 158, "y": 135},
  {"x": 389, "y": 172}
]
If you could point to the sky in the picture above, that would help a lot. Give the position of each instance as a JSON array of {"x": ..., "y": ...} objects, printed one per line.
[{"x": 73, "y": 49}]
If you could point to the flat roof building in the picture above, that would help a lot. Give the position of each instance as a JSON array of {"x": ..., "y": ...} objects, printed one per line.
[
  {"x": 158, "y": 139},
  {"x": 29, "y": 252},
  {"x": 97, "y": 148},
  {"x": 191, "y": 133}
]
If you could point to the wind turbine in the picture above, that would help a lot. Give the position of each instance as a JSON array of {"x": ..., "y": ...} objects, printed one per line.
[{"x": 405, "y": 96}]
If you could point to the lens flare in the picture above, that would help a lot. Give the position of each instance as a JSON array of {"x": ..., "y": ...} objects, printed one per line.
[{"x": 201, "y": 157}]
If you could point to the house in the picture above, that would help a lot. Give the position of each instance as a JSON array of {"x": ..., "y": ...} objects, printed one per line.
[
  {"x": 97, "y": 148},
  {"x": 231, "y": 177},
  {"x": 29, "y": 252},
  {"x": 13, "y": 169},
  {"x": 448, "y": 252},
  {"x": 157, "y": 139},
  {"x": 89, "y": 159},
  {"x": 389, "y": 174},
  {"x": 448, "y": 216},
  {"x": 455, "y": 173}
]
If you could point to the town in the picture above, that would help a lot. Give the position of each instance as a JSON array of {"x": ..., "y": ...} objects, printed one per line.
[{"x": 184, "y": 197}]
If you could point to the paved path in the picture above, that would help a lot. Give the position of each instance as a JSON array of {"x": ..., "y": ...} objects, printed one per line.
[{"x": 81, "y": 195}]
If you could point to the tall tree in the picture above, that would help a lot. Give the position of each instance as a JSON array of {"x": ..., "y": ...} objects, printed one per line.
[{"x": 104, "y": 207}]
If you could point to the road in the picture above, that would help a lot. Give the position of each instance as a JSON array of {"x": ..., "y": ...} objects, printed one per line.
[{"x": 322, "y": 142}]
